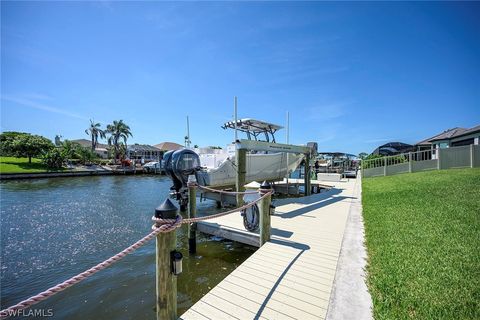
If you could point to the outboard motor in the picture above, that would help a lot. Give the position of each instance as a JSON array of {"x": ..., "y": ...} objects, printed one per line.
[
  {"x": 167, "y": 158},
  {"x": 179, "y": 165}
]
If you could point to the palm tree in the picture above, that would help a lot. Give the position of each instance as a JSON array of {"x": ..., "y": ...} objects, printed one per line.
[
  {"x": 94, "y": 131},
  {"x": 118, "y": 130}
]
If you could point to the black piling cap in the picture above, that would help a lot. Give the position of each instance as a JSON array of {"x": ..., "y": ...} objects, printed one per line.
[
  {"x": 265, "y": 185},
  {"x": 167, "y": 210}
]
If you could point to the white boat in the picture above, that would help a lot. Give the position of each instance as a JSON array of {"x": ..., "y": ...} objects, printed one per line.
[
  {"x": 216, "y": 167},
  {"x": 219, "y": 168}
]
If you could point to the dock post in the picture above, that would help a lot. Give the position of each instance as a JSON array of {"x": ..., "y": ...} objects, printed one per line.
[
  {"x": 192, "y": 209},
  {"x": 166, "y": 282},
  {"x": 265, "y": 220},
  {"x": 306, "y": 176},
  {"x": 241, "y": 162}
]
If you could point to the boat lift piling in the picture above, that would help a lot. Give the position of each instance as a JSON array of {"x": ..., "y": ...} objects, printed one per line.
[
  {"x": 241, "y": 160},
  {"x": 192, "y": 208},
  {"x": 265, "y": 219}
]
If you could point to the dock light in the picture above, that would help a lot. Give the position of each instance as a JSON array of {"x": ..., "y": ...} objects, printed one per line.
[
  {"x": 167, "y": 210},
  {"x": 176, "y": 258}
]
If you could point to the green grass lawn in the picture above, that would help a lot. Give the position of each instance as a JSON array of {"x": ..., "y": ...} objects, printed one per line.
[
  {"x": 423, "y": 241},
  {"x": 21, "y": 165}
]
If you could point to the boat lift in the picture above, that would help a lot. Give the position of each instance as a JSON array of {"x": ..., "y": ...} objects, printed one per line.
[
  {"x": 242, "y": 146},
  {"x": 181, "y": 163}
]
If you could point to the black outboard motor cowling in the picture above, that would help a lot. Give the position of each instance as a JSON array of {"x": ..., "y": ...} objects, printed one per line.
[
  {"x": 179, "y": 165},
  {"x": 184, "y": 163},
  {"x": 168, "y": 165}
]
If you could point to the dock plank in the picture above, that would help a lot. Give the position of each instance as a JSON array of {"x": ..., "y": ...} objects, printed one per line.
[{"x": 292, "y": 275}]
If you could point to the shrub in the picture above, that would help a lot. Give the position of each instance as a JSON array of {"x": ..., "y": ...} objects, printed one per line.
[
  {"x": 86, "y": 155},
  {"x": 53, "y": 159}
]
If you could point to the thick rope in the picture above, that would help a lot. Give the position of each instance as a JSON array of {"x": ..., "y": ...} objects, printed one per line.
[
  {"x": 217, "y": 215},
  {"x": 76, "y": 279},
  {"x": 161, "y": 226}
]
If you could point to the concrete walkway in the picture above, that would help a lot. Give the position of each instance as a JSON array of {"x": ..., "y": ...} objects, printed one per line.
[
  {"x": 292, "y": 276},
  {"x": 350, "y": 298}
]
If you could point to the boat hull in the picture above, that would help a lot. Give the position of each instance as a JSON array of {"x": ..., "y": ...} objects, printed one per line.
[{"x": 260, "y": 167}]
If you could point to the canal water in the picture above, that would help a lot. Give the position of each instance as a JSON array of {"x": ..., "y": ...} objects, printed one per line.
[{"x": 52, "y": 229}]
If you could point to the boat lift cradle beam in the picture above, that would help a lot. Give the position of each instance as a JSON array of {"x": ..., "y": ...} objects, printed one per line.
[{"x": 243, "y": 145}]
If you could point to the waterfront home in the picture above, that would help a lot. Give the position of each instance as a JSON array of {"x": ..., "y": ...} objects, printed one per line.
[
  {"x": 393, "y": 148},
  {"x": 143, "y": 151},
  {"x": 451, "y": 138}
]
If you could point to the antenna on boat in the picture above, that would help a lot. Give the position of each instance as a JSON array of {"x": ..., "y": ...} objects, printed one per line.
[
  {"x": 187, "y": 138},
  {"x": 235, "y": 117},
  {"x": 288, "y": 128}
]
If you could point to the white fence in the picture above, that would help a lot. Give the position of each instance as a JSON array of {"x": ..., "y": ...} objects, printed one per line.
[{"x": 436, "y": 159}]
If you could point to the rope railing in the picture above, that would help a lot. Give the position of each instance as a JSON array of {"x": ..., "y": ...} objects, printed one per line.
[
  {"x": 212, "y": 216},
  {"x": 223, "y": 191},
  {"x": 160, "y": 226}
]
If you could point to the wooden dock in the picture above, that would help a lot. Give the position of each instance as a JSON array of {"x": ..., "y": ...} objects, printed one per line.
[{"x": 292, "y": 275}]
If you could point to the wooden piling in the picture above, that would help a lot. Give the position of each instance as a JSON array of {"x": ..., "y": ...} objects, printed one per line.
[
  {"x": 265, "y": 220},
  {"x": 308, "y": 189},
  {"x": 166, "y": 282},
  {"x": 241, "y": 162},
  {"x": 192, "y": 209}
]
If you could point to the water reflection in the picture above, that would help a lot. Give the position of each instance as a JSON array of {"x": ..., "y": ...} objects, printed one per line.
[{"x": 52, "y": 229}]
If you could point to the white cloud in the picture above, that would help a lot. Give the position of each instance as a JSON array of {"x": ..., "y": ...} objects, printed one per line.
[{"x": 29, "y": 102}]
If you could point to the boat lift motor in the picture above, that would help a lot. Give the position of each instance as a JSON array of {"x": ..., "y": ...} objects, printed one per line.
[{"x": 179, "y": 165}]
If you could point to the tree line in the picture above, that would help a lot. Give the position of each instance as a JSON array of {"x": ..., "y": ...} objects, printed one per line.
[{"x": 21, "y": 144}]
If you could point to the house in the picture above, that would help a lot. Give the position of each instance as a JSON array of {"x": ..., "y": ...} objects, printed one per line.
[
  {"x": 451, "y": 138},
  {"x": 393, "y": 148},
  {"x": 167, "y": 146},
  {"x": 144, "y": 151}
]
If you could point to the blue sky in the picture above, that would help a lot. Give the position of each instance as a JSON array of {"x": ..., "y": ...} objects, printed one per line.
[{"x": 352, "y": 75}]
